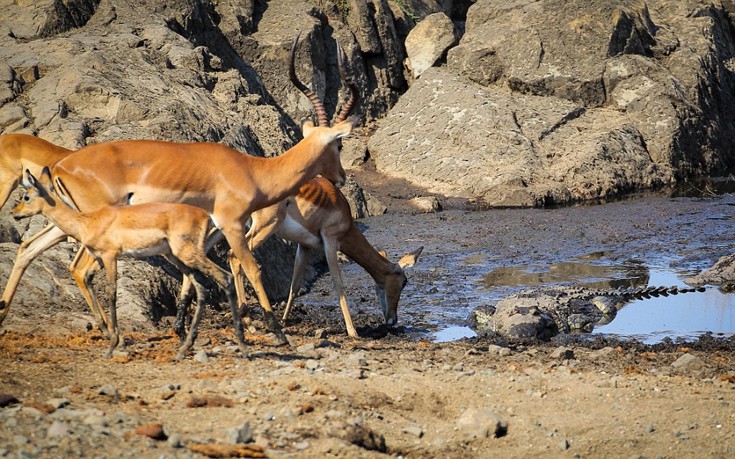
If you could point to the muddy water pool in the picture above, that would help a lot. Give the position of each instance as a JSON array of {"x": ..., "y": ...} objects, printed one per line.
[{"x": 475, "y": 258}]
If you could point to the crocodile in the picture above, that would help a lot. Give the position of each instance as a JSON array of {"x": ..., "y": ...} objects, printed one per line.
[{"x": 544, "y": 312}]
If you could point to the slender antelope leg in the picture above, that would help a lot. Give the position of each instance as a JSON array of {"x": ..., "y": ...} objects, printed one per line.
[
  {"x": 187, "y": 287},
  {"x": 187, "y": 291},
  {"x": 27, "y": 252},
  {"x": 83, "y": 269},
  {"x": 110, "y": 264},
  {"x": 330, "y": 250},
  {"x": 194, "y": 265},
  {"x": 299, "y": 265},
  {"x": 264, "y": 223},
  {"x": 194, "y": 329},
  {"x": 236, "y": 238}
]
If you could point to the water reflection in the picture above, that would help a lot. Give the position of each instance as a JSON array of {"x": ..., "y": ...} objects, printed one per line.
[
  {"x": 685, "y": 316},
  {"x": 650, "y": 320},
  {"x": 630, "y": 275}
]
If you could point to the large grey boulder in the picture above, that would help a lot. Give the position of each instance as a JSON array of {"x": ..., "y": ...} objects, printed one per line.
[
  {"x": 458, "y": 138},
  {"x": 429, "y": 41},
  {"x": 552, "y": 102}
]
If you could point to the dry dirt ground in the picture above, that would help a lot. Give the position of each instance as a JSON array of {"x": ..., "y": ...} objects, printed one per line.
[{"x": 385, "y": 394}]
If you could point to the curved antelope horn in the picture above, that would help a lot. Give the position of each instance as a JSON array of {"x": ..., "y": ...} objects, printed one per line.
[
  {"x": 321, "y": 113},
  {"x": 350, "y": 82}
]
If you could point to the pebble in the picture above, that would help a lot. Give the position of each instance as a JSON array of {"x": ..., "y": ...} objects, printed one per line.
[
  {"x": 416, "y": 431},
  {"x": 79, "y": 323},
  {"x": 107, "y": 389},
  {"x": 481, "y": 423},
  {"x": 320, "y": 333},
  {"x": 494, "y": 349},
  {"x": 312, "y": 364},
  {"x": 175, "y": 440},
  {"x": 687, "y": 361},
  {"x": 302, "y": 445},
  {"x": 57, "y": 403},
  {"x": 242, "y": 434},
  {"x": 58, "y": 429},
  {"x": 308, "y": 347},
  {"x": 562, "y": 352},
  {"x": 201, "y": 356}
]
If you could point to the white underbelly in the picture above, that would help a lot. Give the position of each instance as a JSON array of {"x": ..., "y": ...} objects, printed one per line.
[{"x": 291, "y": 230}]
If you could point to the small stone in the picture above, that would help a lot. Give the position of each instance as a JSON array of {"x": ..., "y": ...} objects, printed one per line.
[
  {"x": 302, "y": 445},
  {"x": 154, "y": 431},
  {"x": 57, "y": 403},
  {"x": 563, "y": 353},
  {"x": 242, "y": 434},
  {"x": 201, "y": 356},
  {"x": 416, "y": 431},
  {"x": 175, "y": 440},
  {"x": 312, "y": 364},
  {"x": 564, "y": 444},
  {"x": 687, "y": 361},
  {"x": 79, "y": 323},
  {"x": 308, "y": 347},
  {"x": 481, "y": 423},
  {"x": 108, "y": 390},
  {"x": 58, "y": 429},
  {"x": 426, "y": 204},
  {"x": 320, "y": 333}
]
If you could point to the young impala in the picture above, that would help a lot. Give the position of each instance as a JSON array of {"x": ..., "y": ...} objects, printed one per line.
[
  {"x": 176, "y": 231},
  {"x": 226, "y": 183}
]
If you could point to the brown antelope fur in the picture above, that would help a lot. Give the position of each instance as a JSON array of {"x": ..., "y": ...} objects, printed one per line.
[
  {"x": 175, "y": 231},
  {"x": 19, "y": 152},
  {"x": 224, "y": 182}
]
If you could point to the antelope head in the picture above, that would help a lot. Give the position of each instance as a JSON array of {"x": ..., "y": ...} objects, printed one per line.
[
  {"x": 36, "y": 195},
  {"x": 341, "y": 121}
]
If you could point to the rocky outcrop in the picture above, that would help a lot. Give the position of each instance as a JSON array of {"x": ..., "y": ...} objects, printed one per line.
[
  {"x": 552, "y": 102},
  {"x": 721, "y": 274}
]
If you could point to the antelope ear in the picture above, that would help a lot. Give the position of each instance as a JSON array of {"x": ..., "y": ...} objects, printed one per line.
[
  {"x": 28, "y": 179},
  {"x": 410, "y": 259},
  {"x": 345, "y": 127},
  {"x": 307, "y": 126}
]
